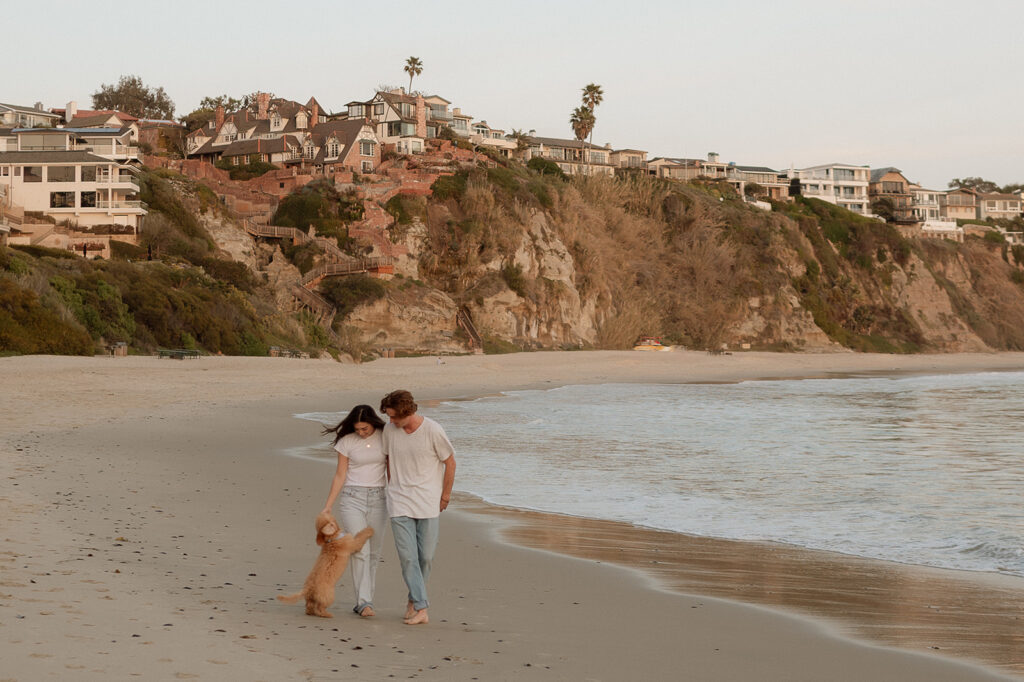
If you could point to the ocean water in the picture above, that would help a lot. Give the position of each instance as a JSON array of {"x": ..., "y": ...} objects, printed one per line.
[{"x": 923, "y": 470}]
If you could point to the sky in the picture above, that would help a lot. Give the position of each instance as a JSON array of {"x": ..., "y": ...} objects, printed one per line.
[{"x": 933, "y": 88}]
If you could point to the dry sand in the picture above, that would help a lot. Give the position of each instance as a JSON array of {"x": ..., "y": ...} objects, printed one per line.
[{"x": 149, "y": 519}]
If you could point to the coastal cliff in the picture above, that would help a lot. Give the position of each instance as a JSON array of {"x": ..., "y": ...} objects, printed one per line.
[{"x": 534, "y": 260}]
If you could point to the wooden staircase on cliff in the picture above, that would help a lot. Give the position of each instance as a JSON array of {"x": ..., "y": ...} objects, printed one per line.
[{"x": 465, "y": 322}]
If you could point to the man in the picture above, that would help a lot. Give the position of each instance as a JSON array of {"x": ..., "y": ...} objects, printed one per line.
[{"x": 422, "y": 467}]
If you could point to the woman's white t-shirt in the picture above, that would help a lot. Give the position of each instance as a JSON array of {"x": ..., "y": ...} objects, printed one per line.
[{"x": 366, "y": 467}]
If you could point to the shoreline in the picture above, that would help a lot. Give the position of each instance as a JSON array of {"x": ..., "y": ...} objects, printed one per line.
[{"x": 92, "y": 411}]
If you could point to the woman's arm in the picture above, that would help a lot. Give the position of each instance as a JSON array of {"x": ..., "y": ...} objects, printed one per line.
[{"x": 337, "y": 483}]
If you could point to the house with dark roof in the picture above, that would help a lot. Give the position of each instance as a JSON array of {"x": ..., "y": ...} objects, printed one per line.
[
  {"x": 278, "y": 125},
  {"x": 889, "y": 187},
  {"x": 72, "y": 177},
  {"x": 572, "y": 156}
]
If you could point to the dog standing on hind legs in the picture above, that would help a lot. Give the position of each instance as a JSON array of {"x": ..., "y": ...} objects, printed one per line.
[{"x": 336, "y": 546}]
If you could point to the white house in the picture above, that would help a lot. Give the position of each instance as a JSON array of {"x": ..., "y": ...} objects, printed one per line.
[
  {"x": 17, "y": 116},
  {"x": 80, "y": 180},
  {"x": 842, "y": 184}
]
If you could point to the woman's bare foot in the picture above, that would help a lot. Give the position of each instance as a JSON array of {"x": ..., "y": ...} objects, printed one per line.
[
  {"x": 418, "y": 618},
  {"x": 367, "y": 612},
  {"x": 409, "y": 611}
]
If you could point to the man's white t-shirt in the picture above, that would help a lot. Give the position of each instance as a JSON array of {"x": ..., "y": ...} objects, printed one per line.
[
  {"x": 365, "y": 460},
  {"x": 417, "y": 469}
]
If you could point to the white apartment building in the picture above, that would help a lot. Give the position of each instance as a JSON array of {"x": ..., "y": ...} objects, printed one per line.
[
  {"x": 842, "y": 184},
  {"x": 75, "y": 176},
  {"x": 926, "y": 203}
]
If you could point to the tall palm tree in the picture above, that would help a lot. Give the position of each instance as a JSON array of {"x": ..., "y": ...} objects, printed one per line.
[
  {"x": 582, "y": 122},
  {"x": 413, "y": 67},
  {"x": 592, "y": 96}
]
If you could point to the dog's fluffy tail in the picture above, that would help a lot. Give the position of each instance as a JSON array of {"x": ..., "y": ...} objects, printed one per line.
[{"x": 290, "y": 598}]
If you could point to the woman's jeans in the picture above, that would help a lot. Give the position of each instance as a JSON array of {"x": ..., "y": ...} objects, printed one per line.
[
  {"x": 359, "y": 507},
  {"x": 415, "y": 540}
]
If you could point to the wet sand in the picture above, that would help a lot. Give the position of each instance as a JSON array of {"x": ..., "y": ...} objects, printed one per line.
[{"x": 149, "y": 519}]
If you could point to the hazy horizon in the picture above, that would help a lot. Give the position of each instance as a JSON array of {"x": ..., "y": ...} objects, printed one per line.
[{"x": 920, "y": 86}]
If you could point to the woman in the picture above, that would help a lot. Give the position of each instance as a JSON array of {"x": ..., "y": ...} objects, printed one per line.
[{"x": 360, "y": 479}]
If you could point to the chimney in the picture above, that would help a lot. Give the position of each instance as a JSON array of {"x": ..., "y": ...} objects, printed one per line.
[
  {"x": 316, "y": 114},
  {"x": 71, "y": 111},
  {"x": 262, "y": 105},
  {"x": 712, "y": 157},
  {"x": 220, "y": 116},
  {"x": 421, "y": 117}
]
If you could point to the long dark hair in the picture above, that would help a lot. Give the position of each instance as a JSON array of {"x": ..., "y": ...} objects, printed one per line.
[{"x": 359, "y": 413}]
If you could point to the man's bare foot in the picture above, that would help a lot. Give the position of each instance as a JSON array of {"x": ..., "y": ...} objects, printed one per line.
[
  {"x": 409, "y": 611},
  {"x": 418, "y": 618},
  {"x": 367, "y": 612}
]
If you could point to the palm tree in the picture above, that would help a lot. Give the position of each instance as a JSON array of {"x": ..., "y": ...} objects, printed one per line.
[
  {"x": 592, "y": 96},
  {"x": 582, "y": 122},
  {"x": 522, "y": 140},
  {"x": 413, "y": 67}
]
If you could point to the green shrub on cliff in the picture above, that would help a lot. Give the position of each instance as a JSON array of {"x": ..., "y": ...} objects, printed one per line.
[{"x": 348, "y": 292}]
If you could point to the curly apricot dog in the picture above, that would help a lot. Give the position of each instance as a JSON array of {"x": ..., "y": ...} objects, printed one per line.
[{"x": 335, "y": 548}]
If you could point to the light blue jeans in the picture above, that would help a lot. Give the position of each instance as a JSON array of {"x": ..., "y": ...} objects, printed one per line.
[
  {"x": 359, "y": 507},
  {"x": 415, "y": 540}
]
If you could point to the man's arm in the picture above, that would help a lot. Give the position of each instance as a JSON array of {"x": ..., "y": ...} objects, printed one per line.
[{"x": 449, "y": 481}]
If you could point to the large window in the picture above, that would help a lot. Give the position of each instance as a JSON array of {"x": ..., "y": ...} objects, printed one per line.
[
  {"x": 88, "y": 173},
  {"x": 33, "y": 174},
  {"x": 60, "y": 174},
  {"x": 366, "y": 147},
  {"x": 62, "y": 199},
  {"x": 88, "y": 200}
]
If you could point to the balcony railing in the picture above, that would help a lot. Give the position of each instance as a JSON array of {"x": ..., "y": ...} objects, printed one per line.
[
  {"x": 105, "y": 179},
  {"x": 435, "y": 115},
  {"x": 107, "y": 150},
  {"x": 121, "y": 204}
]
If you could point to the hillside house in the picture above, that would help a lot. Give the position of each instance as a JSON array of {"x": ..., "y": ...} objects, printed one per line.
[
  {"x": 629, "y": 159},
  {"x": 85, "y": 189},
  {"x": 572, "y": 156},
  {"x": 959, "y": 204},
  {"x": 888, "y": 184},
  {"x": 485, "y": 136},
  {"x": 926, "y": 204},
  {"x": 398, "y": 119},
  {"x": 689, "y": 169},
  {"x": 17, "y": 116},
  {"x": 280, "y": 122},
  {"x": 996, "y": 205},
  {"x": 842, "y": 184}
]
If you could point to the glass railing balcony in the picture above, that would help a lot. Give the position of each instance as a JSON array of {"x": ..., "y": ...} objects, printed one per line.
[
  {"x": 111, "y": 179},
  {"x": 438, "y": 115}
]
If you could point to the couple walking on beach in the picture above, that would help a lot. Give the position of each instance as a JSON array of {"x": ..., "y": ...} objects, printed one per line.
[{"x": 403, "y": 470}]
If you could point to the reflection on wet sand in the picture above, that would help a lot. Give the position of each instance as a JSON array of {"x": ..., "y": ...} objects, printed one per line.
[{"x": 966, "y": 615}]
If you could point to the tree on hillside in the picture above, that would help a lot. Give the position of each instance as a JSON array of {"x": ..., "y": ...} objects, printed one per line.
[
  {"x": 977, "y": 184},
  {"x": 229, "y": 103},
  {"x": 132, "y": 96},
  {"x": 582, "y": 122},
  {"x": 413, "y": 67},
  {"x": 592, "y": 96},
  {"x": 521, "y": 138}
]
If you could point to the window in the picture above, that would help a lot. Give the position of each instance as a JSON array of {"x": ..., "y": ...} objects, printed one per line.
[
  {"x": 333, "y": 149},
  {"x": 367, "y": 166},
  {"x": 417, "y": 147},
  {"x": 276, "y": 120},
  {"x": 87, "y": 200},
  {"x": 33, "y": 174},
  {"x": 366, "y": 147},
  {"x": 62, "y": 199},
  {"x": 356, "y": 110},
  {"x": 378, "y": 109},
  {"x": 5, "y": 171},
  {"x": 310, "y": 151},
  {"x": 88, "y": 173},
  {"x": 60, "y": 174}
]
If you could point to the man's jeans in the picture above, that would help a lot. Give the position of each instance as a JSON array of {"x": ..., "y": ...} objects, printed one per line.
[
  {"x": 415, "y": 540},
  {"x": 358, "y": 508}
]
